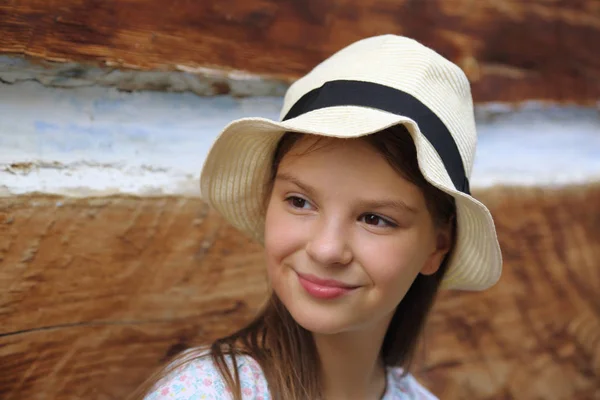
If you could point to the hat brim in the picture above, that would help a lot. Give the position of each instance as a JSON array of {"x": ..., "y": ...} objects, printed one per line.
[{"x": 237, "y": 170}]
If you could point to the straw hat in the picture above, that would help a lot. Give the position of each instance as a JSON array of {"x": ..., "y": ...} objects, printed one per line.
[{"x": 364, "y": 88}]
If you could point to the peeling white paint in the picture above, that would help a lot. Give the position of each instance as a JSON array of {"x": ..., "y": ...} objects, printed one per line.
[
  {"x": 95, "y": 140},
  {"x": 202, "y": 81}
]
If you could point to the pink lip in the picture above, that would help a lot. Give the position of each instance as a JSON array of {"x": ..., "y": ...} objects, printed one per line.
[{"x": 323, "y": 288}]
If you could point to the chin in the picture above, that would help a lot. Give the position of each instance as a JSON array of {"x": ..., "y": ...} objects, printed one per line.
[
  {"x": 319, "y": 322},
  {"x": 327, "y": 317}
]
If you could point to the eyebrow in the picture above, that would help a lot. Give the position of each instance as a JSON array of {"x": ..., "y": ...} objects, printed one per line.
[
  {"x": 396, "y": 204},
  {"x": 368, "y": 204},
  {"x": 289, "y": 178}
]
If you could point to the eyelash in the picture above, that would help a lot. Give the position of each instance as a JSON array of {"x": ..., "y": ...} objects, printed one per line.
[
  {"x": 290, "y": 200},
  {"x": 388, "y": 223}
]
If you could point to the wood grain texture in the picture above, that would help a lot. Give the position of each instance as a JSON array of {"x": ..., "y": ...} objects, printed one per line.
[
  {"x": 96, "y": 293},
  {"x": 512, "y": 50},
  {"x": 536, "y": 334}
]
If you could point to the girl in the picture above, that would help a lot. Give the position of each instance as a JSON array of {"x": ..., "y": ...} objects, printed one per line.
[{"x": 361, "y": 198}]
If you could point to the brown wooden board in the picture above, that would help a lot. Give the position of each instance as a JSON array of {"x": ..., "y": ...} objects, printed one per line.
[
  {"x": 95, "y": 293},
  {"x": 512, "y": 50}
]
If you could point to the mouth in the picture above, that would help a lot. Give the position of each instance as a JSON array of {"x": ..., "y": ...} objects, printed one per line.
[{"x": 324, "y": 288}]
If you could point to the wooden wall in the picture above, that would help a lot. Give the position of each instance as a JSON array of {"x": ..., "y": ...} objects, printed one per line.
[
  {"x": 97, "y": 292},
  {"x": 512, "y": 50}
]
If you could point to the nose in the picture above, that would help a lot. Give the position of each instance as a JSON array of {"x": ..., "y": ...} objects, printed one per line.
[{"x": 329, "y": 244}]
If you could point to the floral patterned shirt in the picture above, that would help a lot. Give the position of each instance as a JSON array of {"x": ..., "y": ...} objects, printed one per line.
[{"x": 200, "y": 379}]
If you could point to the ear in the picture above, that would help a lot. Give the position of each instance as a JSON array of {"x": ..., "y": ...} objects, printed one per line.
[{"x": 443, "y": 243}]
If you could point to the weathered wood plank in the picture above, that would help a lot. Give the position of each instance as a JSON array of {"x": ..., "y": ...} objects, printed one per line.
[
  {"x": 72, "y": 261},
  {"x": 102, "y": 361},
  {"x": 537, "y": 333},
  {"x": 95, "y": 293},
  {"x": 512, "y": 50}
]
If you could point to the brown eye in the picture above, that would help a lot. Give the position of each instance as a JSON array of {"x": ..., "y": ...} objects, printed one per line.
[
  {"x": 297, "y": 202},
  {"x": 372, "y": 219},
  {"x": 376, "y": 220}
]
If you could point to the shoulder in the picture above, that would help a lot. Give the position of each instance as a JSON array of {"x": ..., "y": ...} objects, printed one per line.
[
  {"x": 199, "y": 378},
  {"x": 406, "y": 387}
]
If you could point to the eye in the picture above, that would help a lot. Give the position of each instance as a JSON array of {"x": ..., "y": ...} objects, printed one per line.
[
  {"x": 298, "y": 202},
  {"x": 378, "y": 221}
]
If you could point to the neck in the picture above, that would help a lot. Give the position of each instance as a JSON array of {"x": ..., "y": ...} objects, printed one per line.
[{"x": 351, "y": 364}]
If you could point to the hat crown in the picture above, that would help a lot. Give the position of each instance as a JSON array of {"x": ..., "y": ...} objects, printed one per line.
[{"x": 406, "y": 65}]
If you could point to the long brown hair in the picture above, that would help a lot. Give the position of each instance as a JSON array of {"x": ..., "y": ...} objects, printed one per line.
[{"x": 285, "y": 351}]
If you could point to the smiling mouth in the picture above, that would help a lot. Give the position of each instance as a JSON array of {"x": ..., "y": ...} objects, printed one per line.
[{"x": 324, "y": 288}]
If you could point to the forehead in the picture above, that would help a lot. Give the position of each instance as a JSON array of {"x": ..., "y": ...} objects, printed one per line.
[
  {"x": 354, "y": 164},
  {"x": 321, "y": 146}
]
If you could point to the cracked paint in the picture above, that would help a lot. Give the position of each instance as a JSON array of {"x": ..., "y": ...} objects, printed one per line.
[{"x": 100, "y": 141}]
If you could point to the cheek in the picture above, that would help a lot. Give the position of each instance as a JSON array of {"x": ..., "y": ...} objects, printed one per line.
[
  {"x": 282, "y": 238},
  {"x": 393, "y": 261}
]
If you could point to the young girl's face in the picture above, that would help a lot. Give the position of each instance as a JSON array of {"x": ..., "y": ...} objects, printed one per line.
[{"x": 346, "y": 235}]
